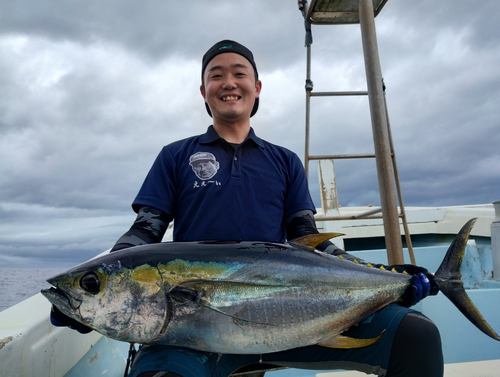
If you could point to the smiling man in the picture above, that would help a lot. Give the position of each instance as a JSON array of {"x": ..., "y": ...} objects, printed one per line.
[
  {"x": 231, "y": 88},
  {"x": 229, "y": 185},
  {"x": 226, "y": 184}
]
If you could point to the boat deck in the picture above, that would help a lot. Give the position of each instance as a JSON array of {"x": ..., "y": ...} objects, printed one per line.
[{"x": 488, "y": 368}]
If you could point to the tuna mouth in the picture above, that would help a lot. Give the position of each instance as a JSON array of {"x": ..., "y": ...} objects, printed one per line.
[{"x": 60, "y": 298}]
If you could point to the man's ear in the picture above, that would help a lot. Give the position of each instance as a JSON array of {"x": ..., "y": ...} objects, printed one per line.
[
  {"x": 258, "y": 88},
  {"x": 203, "y": 93}
]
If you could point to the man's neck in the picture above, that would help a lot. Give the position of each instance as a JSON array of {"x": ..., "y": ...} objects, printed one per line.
[{"x": 235, "y": 133}]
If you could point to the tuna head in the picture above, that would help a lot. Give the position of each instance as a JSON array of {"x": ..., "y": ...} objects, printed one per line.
[{"x": 127, "y": 304}]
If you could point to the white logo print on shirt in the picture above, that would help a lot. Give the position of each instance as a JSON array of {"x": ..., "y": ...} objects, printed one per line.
[{"x": 204, "y": 165}]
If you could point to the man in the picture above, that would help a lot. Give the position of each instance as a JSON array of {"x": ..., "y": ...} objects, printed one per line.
[{"x": 230, "y": 185}]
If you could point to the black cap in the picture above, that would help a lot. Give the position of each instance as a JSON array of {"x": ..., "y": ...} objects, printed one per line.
[{"x": 229, "y": 46}]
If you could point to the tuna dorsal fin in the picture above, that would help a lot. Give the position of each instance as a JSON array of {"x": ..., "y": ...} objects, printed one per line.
[
  {"x": 341, "y": 341},
  {"x": 313, "y": 240}
]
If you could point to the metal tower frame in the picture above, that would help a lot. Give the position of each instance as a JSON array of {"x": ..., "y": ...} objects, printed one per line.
[{"x": 334, "y": 12}]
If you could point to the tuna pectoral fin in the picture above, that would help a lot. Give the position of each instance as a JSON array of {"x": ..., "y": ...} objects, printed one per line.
[
  {"x": 313, "y": 240},
  {"x": 341, "y": 341},
  {"x": 200, "y": 292},
  {"x": 449, "y": 280}
]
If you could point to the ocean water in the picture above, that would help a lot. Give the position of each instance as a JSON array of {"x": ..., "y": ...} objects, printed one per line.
[{"x": 18, "y": 284}]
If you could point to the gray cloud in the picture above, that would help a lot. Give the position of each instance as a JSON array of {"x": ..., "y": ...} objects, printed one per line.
[{"x": 92, "y": 90}]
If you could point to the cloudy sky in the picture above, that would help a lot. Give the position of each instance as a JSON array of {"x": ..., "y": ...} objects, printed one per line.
[{"x": 91, "y": 90}]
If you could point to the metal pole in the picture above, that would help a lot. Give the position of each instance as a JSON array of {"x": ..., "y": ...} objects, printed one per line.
[
  {"x": 402, "y": 210},
  {"x": 309, "y": 85},
  {"x": 308, "y": 108},
  {"x": 380, "y": 133}
]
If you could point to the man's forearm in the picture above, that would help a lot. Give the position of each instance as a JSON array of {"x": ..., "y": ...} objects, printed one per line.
[
  {"x": 149, "y": 227},
  {"x": 301, "y": 224}
]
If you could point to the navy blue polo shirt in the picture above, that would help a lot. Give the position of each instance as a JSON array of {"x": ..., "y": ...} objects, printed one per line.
[{"x": 217, "y": 192}]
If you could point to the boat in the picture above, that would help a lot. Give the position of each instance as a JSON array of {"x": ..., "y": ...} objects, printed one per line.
[{"x": 31, "y": 346}]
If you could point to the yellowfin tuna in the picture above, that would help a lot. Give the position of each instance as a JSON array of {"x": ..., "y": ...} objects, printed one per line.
[{"x": 244, "y": 297}]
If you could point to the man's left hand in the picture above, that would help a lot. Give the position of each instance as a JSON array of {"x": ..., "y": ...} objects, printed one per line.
[{"x": 419, "y": 288}]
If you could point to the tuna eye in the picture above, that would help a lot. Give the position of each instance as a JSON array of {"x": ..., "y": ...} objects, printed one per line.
[{"x": 90, "y": 283}]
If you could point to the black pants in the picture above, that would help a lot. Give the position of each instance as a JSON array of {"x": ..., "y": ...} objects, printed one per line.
[{"x": 416, "y": 349}]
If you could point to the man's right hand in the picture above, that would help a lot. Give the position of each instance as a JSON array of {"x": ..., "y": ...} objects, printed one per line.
[{"x": 59, "y": 319}]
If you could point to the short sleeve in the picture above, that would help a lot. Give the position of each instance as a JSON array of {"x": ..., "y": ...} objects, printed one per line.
[{"x": 158, "y": 189}]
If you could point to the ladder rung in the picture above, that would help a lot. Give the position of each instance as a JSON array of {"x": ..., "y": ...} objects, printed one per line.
[
  {"x": 341, "y": 156},
  {"x": 331, "y": 94}
]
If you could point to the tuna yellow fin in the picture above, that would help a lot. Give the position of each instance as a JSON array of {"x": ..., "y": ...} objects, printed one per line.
[
  {"x": 313, "y": 240},
  {"x": 341, "y": 341}
]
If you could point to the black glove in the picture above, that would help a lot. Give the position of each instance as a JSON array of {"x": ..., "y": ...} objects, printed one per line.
[
  {"x": 422, "y": 284},
  {"x": 59, "y": 319},
  {"x": 418, "y": 289}
]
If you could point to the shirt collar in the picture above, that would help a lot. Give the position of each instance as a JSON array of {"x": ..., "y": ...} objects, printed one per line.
[{"x": 211, "y": 136}]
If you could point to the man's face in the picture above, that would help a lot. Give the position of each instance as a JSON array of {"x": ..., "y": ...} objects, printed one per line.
[
  {"x": 205, "y": 169},
  {"x": 229, "y": 87}
]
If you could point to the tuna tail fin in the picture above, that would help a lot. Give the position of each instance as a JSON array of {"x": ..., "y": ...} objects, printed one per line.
[{"x": 448, "y": 278}]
